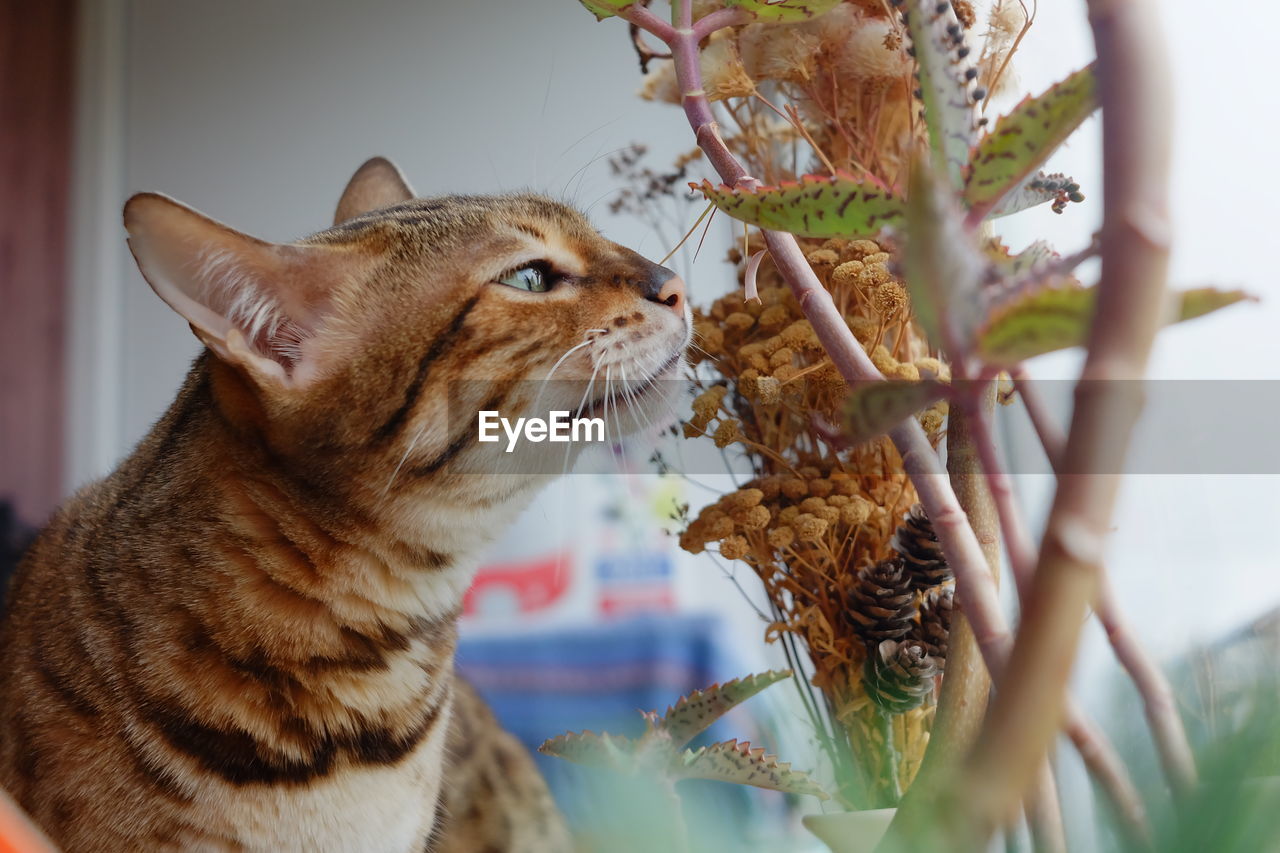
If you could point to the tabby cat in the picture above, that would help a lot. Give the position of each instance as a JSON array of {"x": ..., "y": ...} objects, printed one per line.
[{"x": 243, "y": 638}]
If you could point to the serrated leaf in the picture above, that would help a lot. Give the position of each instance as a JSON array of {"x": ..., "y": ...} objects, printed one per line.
[
  {"x": 784, "y": 10},
  {"x": 736, "y": 762},
  {"x": 949, "y": 110},
  {"x": 942, "y": 265},
  {"x": 1039, "y": 322},
  {"x": 1058, "y": 317},
  {"x": 1021, "y": 141},
  {"x": 873, "y": 408},
  {"x": 606, "y": 8},
  {"x": 1032, "y": 269},
  {"x": 1035, "y": 256},
  {"x": 1037, "y": 189},
  {"x": 817, "y": 206},
  {"x": 1204, "y": 300},
  {"x": 693, "y": 713},
  {"x": 594, "y": 750}
]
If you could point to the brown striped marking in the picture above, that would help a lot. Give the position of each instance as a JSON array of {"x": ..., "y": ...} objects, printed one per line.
[
  {"x": 236, "y": 756},
  {"x": 397, "y": 419}
]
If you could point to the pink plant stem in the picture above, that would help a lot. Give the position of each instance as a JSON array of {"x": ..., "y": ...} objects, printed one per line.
[
  {"x": 1044, "y": 813},
  {"x": 1134, "y": 92},
  {"x": 1017, "y": 539},
  {"x": 1158, "y": 701}
]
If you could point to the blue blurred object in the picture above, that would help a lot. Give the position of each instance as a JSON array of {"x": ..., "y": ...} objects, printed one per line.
[{"x": 598, "y": 678}]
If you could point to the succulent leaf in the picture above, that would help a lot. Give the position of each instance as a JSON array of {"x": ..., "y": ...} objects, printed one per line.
[
  {"x": 872, "y": 409},
  {"x": 731, "y": 761},
  {"x": 1055, "y": 318},
  {"x": 1035, "y": 256},
  {"x": 1021, "y": 141},
  {"x": 693, "y": 713},
  {"x": 606, "y": 8},
  {"x": 1204, "y": 300},
  {"x": 949, "y": 106},
  {"x": 942, "y": 264},
  {"x": 784, "y": 10},
  {"x": 594, "y": 750},
  {"x": 817, "y": 206}
]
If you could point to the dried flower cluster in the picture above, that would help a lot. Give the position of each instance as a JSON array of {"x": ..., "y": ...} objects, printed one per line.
[
  {"x": 852, "y": 571},
  {"x": 847, "y": 75},
  {"x": 818, "y": 519}
]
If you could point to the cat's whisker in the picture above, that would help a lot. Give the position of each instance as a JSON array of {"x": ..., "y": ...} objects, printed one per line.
[
  {"x": 568, "y": 353},
  {"x": 634, "y": 395},
  {"x": 609, "y": 397},
  {"x": 412, "y": 444},
  {"x": 632, "y": 398},
  {"x": 582, "y": 404},
  {"x": 534, "y": 407},
  {"x": 708, "y": 355}
]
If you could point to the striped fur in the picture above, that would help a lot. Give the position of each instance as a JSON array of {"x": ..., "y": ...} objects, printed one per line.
[{"x": 242, "y": 639}]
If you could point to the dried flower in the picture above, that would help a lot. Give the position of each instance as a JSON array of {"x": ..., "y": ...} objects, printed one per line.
[
  {"x": 722, "y": 73},
  {"x": 728, "y": 432},
  {"x": 734, "y": 548}
]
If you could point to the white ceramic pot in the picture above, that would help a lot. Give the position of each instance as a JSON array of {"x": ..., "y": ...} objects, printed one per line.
[{"x": 851, "y": 832}]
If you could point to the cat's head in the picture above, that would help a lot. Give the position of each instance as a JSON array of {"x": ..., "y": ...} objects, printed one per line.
[{"x": 370, "y": 347}]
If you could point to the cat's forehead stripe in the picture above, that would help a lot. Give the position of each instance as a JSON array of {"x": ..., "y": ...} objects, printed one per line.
[{"x": 448, "y": 214}]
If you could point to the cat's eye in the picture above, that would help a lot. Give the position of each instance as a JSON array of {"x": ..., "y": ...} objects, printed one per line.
[{"x": 532, "y": 277}]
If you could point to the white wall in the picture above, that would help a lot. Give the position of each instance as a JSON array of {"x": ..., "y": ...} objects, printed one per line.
[{"x": 258, "y": 112}]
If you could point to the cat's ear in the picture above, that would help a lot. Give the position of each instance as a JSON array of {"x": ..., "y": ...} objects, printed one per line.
[
  {"x": 257, "y": 305},
  {"x": 378, "y": 183}
]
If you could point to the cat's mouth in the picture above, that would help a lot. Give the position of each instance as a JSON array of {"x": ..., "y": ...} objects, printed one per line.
[{"x": 632, "y": 391}]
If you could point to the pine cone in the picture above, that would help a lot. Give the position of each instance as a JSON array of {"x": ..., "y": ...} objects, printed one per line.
[
  {"x": 898, "y": 676},
  {"x": 918, "y": 545},
  {"x": 882, "y": 605},
  {"x": 935, "y": 624}
]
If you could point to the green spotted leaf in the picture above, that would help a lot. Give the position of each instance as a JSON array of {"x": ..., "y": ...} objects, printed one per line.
[
  {"x": 1204, "y": 300},
  {"x": 594, "y": 750},
  {"x": 1020, "y": 142},
  {"x": 693, "y": 713},
  {"x": 872, "y": 409},
  {"x": 942, "y": 264},
  {"x": 784, "y": 10},
  {"x": 606, "y": 8},
  {"x": 1058, "y": 317},
  {"x": 1036, "y": 255},
  {"x": 731, "y": 761},
  {"x": 950, "y": 113},
  {"x": 839, "y": 205},
  {"x": 1039, "y": 322}
]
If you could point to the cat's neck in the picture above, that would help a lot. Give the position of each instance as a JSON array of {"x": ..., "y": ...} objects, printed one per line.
[{"x": 368, "y": 554}]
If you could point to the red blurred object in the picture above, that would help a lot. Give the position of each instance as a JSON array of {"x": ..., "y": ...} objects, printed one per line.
[
  {"x": 17, "y": 833},
  {"x": 621, "y": 601},
  {"x": 518, "y": 587}
]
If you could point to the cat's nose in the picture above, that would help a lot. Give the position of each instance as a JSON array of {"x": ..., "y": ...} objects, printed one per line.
[{"x": 668, "y": 291}]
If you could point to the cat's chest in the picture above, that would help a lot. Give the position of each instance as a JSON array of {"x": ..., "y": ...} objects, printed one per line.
[{"x": 361, "y": 810}]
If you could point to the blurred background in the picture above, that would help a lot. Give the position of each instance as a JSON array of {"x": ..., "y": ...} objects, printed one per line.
[{"x": 257, "y": 113}]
